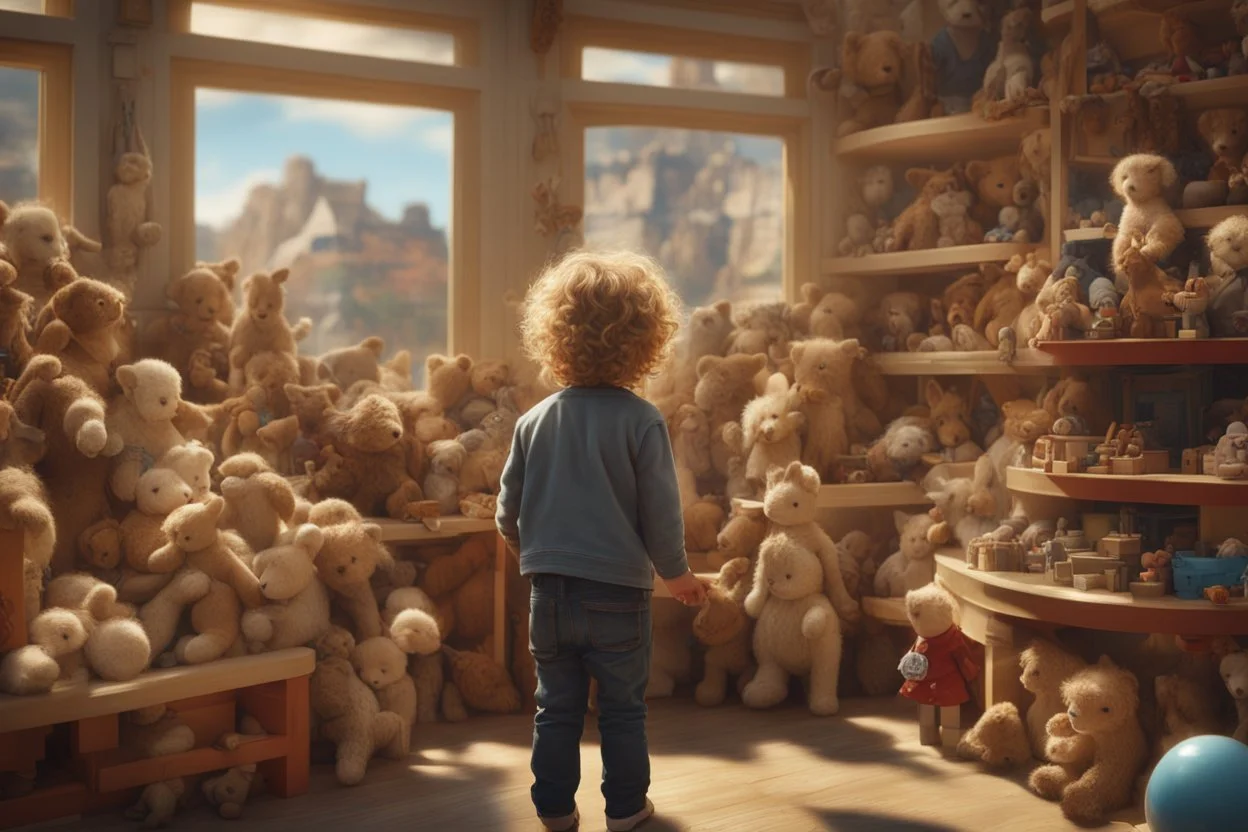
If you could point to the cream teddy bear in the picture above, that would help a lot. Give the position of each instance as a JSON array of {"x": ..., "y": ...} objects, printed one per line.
[
  {"x": 411, "y": 622},
  {"x": 1142, "y": 182},
  {"x": 258, "y": 501},
  {"x": 143, "y": 416},
  {"x": 297, "y": 611},
  {"x": 913, "y": 564},
  {"x": 1097, "y": 745},
  {"x": 351, "y": 719},
  {"x": 56, "y": 638},
  {"x": 117, "y": 647},
  {"x": 126, "y": 231},
  {"x": 1233, "y": 667},
  {"x": 162, "y": 615},
  {"x": 771, "y": 431},
  {"x": 1228, "y": 284},
  {"x": 32, "y": 239},
  {"x": 1045, "y": 667},
  {"x": 383, "y": 667},
  {"x": 798, "y": 571},
  {"x": 158, "y": 493}
]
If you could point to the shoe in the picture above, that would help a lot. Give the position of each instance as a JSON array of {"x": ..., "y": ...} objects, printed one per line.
[
  {"x": 564, "y": 824},
  {"x": 630, "y": 823}
]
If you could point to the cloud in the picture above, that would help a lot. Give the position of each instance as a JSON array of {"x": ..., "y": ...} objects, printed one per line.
[
  {"x": 362, "y": 119},
  {"x": 209, "y": 98},
  {"x": 218, "y": 206},
  {"x": 284, "y": 29},
  {"x": 620, "y": 67}
]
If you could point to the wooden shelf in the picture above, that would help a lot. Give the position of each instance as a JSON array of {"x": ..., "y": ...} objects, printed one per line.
[
  {"x": 1157, "y": 489},
  {"x": 1059, "y": 14},
  {"x": 891, "y": 611},
  {"x": 860, "y": 495},
  {"x": 942, "y": 140},
  {"x": 401, "y": 531},
  {"x": 70, "y": 703},
  {"x": 1122, "y": 352},
  {"x": 930, "y": 261},
  {"x": 985, "y": 363},
  {"x": 1081, "y": 235},
  {"x": 1209, "y": 217},
  {"x": 1032, "y": 598}
]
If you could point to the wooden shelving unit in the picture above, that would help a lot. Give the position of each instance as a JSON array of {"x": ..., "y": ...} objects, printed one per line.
[
  {"x": 1082, "y": 235},
  {"x": 862, "y": 495},
  {"x": 939, "y": 140},
  {"x": 1158, "y": 489},
  {"x": 936, "y": 261},
  {"x": 891, "y": 611},
  {"x": 986, "y": 363},
  {"x": 398, "y": 532},
  {"x": 1124, "y": 352},
  {"x": 1209, "y": 217}
]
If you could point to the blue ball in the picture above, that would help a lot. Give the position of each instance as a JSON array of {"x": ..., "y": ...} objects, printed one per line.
[{"x": 1199, "y": 786}]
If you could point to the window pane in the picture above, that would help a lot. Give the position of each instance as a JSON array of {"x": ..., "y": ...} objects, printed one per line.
[
  {"x": 354, "y": 198},
  {"x": 708, "y": 206},
  {"x": 376, "y": 41},
  {"x": 622, "y": 67},
  {"x": 19, "y": 134},
  {"x": 27, "y": 6}
]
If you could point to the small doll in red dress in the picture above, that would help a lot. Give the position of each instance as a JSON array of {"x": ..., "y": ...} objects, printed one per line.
[{"x": 939, "y": 667}]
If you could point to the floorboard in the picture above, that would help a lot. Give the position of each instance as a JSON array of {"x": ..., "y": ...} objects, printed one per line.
[{"x": 722, "y": 770}]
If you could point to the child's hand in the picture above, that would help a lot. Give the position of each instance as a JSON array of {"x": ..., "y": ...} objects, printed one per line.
[{"x": 687, "y": 589}]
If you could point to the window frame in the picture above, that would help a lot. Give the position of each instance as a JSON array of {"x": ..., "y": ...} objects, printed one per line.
[
  {"x": 464, "y": 30},
  {"x": 591, "y": 104},
  {"x": 463, "y": 268},
  {"x": 56, "y": 116}
]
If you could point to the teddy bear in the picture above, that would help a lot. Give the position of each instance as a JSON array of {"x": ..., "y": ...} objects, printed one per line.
[
  {"x": 998, "y": 738},
  {"x": 917, "y": 227},
  {"x": 446, "y": 459},
  {"x": 369, "y": 461},
  {"x": 75, "y": 466},
  {"x": 55, "y": 638},
  {"x": 898, "y": 454},
  {"x": 762, "y": 328},
  {"x": 296, "y": 611},
  {"x": 797, "y": 598},
  {"x": 155, "y": 731},
  {"x": 194, "y": 541},
  {"x": 1233, "y": 668},
  {"x": 939, "y": 667},
  {"x": 80, "y": 325},
  {"x": 1032, "y": 279},
  {"x": 117, "y": 647},
  {"x": 725, "y": 385},
  {"x": 32, "y": 240},
  {"x": 1075, "y": 396},
  {"x": 1045, "y": 666},
  {"x": 352, "y": 720},
  {"x": 771, "y": 430},
  {"x": 257, "y": 501},
  {"x": 1062, "y": 313},
  {"x": 229, "y": 791},
  {"x": 671, "y": 654},
  {"x": 158, "y": 803},
  {"x": 1013, "y": 70},
  {"x": 739, "y": 538},
  {"x": 875, "y": 191},
  {"x": 487, "y": 378},
  {"x": 870, "y": 80},
  {"x": 1148, "y": 224},
  {"x": 691, "y": 440},
  {"x": 722, "y": 627},
  {"x": 1228, "y": 282},
  {"x": 487, "y": 448},
  {"x": 826, "y": 314},
  {"x": 143, "y": 417},
  {"x": 996, "y": 310},
  {"x": 951, "y": 209},
  {"x": 162, "y": 615},
  {"x": 1185, "y": 709},
  {"x": 949, "y": 417},
  {"x": 448, "y": 379},
  {"x": 24, "y": 505},
  {"x": 159, "y": 492},
  {"x": 967, "y": 505},
  {"x": 913, "y": 564},
  {"x": 347, "y": 366},
  {"x": 126, "y": 233},
  {"x": 201, "y": 320},
  {"x": 414, "y": 622},
  {"x": 1100, "y": 720},
  {"x": 16, "y": 310},
  {"x": 961, "y": 54},
  {"x": 902, "y": 318},
  {"x": 1146, "y": 303},
  {"x": 352, "y": 551},
  {"x": 483, "y": 684},
  {"x": 1224, "y": 132},
  {"x": 382, "y": 666},
  {"x": 824, "y": 369},
  {"x": 706, "y": 334},
  {"x": 262, "y": 326}
]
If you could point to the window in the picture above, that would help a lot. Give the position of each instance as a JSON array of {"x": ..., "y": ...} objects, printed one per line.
[
  {"x": 356, "y": 30},
  {"x": 57, "y": 8},
  {"x": 354, "y": 198},
  {"x": 35, "y": 123},
  {"x": 708, "y": 205},
  {"x": 626, "y": 67}
]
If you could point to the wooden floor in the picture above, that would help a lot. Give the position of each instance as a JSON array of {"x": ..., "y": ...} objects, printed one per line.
[{"x": 726, "y": 770}]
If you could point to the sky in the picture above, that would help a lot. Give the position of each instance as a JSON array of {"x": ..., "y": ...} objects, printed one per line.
[{"x": 244, "y": 139}]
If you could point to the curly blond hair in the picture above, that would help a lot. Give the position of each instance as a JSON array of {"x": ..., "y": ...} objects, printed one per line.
[{"x": 600, "y": 318}]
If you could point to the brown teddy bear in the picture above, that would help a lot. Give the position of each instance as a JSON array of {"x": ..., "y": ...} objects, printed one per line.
[
  {"x": 691, "y": 440},
  {"x": 902, "y": 317},
  {"x": 707, "y": 334},
  {"x": 1074, "y": 397},
  {"x": 1045, "y": 667},
  {"x": 258, "y": 502},
  {"x": 1225, "y": 132},
  {"x": 739, "y": 538},
  {"x": 351, "y": 552},
  {"x": 16, "y": 310},
  {"x": 204, "y": 312},
  {"x": 1146, "y": 303},
  {"x": 1100, "y": 729},
  {"x": 262, "y": 327},
  {"x": 826, "y": 314},
  {"x": 723, "y": 628},
  {"x": 382, "y": 666},
  {"x": 488, "y": 377},
  {"x": 824, "y": 368},
  {"x": 1148, "y": 224},
  {"x": 24, "y": 505},
  {"x": 918, "y": 227},
  {"x": 484, "y": 684},
  {"x": 724, "y": 387},
  {"x": 194, "y": 541},
  {"x": 159, "y": 492},
  {"x": 352, "y": 720},
  {"x": 117, "y": 647},
  {"x": 78, "y": 446},
  {"x": 447, "y": 379},
  {"x": 998, "y": 738},
  {"x": 369, "y": 460},
  {"x": 271, "y": 372},
  {"x": 870, "y": 80},
  {"x": 32, "y": 240},
  {"x": 999, "y": 308},
  {"x": 348, "y": 366},
  {"x": 81, "y": 325},
  {"x": 913, "y": 565},
  {"x": 993, "y": 182}
]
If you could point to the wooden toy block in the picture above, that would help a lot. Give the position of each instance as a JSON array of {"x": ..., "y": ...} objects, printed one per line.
[
  {"x": 1156, "y": 462},
  {"x": 1093, "y": 564},
  {"x": 1147, "y": 589},
  {"x": 929, "y": 729},
  {"x": 1126, "y": 465},
  {"x": 1111, "y": 580},
  {"x": 1207, "y": 465},
  {"x": 1065, "y": 466},
  {"x": 1188, "y": 334},
  {"x": 1193, "y": 459},
  {"x": 1086, "y": 582},
  {"x": 1120, "y": 545},
  {"x": 1063, "y": 573},
  {"x": 1098, "y": 469},
  {"x": 950, "y": 726}
]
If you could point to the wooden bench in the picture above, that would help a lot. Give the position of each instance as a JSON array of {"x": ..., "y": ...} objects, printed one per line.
[{"x": 271, "y": 687}]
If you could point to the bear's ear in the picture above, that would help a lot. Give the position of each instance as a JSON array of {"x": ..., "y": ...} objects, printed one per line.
[
  {"x": 1106, "y": 662},
  {"x": 1169, "y": 175},
  {"x": 724, "y": 308},
  {"x": 849, "y": 56},
  {"x": 707, "y": 363},
  {"x": 372, "y": 530},
  {"x": 796, "y": 351},
  {"x": 812, "y": 293},
  {"x": 976, "y": 171},
  {"x": 900, "y": 518},
  {"x": 918, "y": 177},
  {"x": 434, "y": 362},
  {"x": 228, "y": 270},
  {"x": 777, "y": 383},
  {"x": 323, "y": 372},
  {"x": 933, "y": 392},
  {"x": 175, "y": 288},
  {"x": 758, "y": 362},
  {"x": 850, "y": 346},
  {"x": 894, "y": 42},
  {"x": 280, "y": 276},
  {"x": 246, "y": 284},
  {"x": 214, "y": 507},
  {"x": 464, "y": 362},
  {"x": 374, "y": 344},
  {"x": 128, "y": 378},
  {"x": 310, "y": 538}
]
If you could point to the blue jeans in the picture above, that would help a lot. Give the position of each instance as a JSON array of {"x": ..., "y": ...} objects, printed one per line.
[{"x": 580, "y": 629}]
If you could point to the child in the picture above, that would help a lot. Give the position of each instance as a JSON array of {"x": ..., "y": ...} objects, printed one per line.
[{"x": 589, "y": 501}]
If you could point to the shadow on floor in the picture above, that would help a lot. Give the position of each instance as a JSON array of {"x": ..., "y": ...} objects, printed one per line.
[{"x": 842, "y": 821}]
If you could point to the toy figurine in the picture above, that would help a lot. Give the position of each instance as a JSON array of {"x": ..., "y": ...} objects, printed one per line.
[
  {"x": 1218, "y": 595},
  {"x": 1192, "y": 302},
  {"x": 1230, "y": 457},
  {"x": 939, "y": 667}
]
